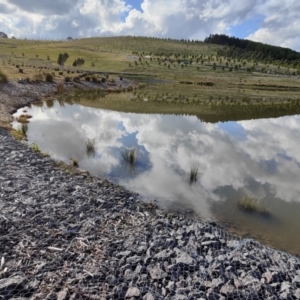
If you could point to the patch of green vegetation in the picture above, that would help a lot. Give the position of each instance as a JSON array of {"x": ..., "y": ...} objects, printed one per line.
[
  {"x": 35, "y": 148},
  {"x": 17, "y": 134}
]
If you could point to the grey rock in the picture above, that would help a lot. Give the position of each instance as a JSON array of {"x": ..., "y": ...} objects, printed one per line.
[
  {"x": 227, "y": 289},
  {"x": 8, "y": 285},
  {"x": 164, "y": 254},
  {"x": 183, "y": 257},
  {"x": 148, "y": 296},
  {"x": 297, "y": 294},
  {"x": 62, "y": 295},
  {"x": 157, "y": 273},
  {"x": 133, "y": 292}
]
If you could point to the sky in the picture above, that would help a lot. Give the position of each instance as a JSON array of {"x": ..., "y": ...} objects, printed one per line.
[{"x": 274, "y": 22}]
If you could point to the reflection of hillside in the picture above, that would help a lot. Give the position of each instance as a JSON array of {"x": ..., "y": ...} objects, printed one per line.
[{"x": 246, "y": 116}]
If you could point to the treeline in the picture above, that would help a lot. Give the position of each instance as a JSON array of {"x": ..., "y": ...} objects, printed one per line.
[{"x": 260, "y": 50}]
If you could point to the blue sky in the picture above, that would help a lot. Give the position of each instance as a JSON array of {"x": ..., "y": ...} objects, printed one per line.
[{"x": 274, "y": 22}]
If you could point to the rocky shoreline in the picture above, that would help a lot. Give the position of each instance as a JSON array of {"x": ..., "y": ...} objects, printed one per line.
[{"x": 77, "y": 236}]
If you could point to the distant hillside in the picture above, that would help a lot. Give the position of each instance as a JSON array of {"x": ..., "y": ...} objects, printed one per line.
[
  {"x": 3, "y": 35},
  {"x": 248, "y": 49}
]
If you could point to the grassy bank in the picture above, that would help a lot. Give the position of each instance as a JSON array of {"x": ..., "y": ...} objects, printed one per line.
[{"x": 178, "y": 77}]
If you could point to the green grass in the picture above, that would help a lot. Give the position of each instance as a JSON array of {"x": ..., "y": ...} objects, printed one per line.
[
  {"x": 169, "y": 87},
  {"x": 24, "y": 129},
  {"x": 252, "y": 205},
  {"x": 193, "y": 175},
  {"x": 35, "y": 148}
]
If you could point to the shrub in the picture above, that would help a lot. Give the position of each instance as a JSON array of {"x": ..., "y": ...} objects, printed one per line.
[
  {"x": 20, "y": 70},
  {"x": 94, "y": 78},
  {"x": 61, "y": 73},
  {"x": 87, "y": 78},
  {"x": 49, "y": 77},
  {"x": 67, "y": 79}
]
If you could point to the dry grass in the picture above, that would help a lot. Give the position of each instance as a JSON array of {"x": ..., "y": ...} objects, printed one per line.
[
  {"x": 130, "y": 157},
  {"x": 251, "y": 204},
  {"x": 75, "y": 162},
  {"x": 90, "y": 148}
]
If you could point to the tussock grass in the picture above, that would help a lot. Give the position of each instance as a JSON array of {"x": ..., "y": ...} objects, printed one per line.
[
  {"x": 17, "y": 134},
  {"x": 130, "y": 157},
  {"x": 252, "y": 205},
  {"x": 75, "y": 162},
  {"x": 90, "y": 148},
  {"x": 193, "y": 175},
  {"x": 24, "y": 129},
  {"x": 35, "y": 148}
]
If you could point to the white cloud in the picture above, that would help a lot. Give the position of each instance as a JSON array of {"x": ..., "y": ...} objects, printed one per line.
[{"x": 194, "y": 19}]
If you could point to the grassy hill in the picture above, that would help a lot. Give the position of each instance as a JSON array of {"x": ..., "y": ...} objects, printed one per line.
[{"x": 179, "y": 76}]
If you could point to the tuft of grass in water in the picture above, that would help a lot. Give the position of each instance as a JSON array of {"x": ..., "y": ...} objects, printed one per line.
[
  {"x": 130, "y": 157},
  {"x": 193, "y": 175},
  {"x": 251, "y": 204},
  {"x": 24, "y": 129},
  {"x": 90, "y": 147},
  {"x": 75, "y": 162},
  {"x": 35, "y": 148},
  {"x": 17, "y": 134}
]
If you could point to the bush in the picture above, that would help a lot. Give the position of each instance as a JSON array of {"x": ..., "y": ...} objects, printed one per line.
[
  {"x": 49, "y": 77},
  {"x": 87, "y": 78},
  {"x": 61, "y": 73},
  {"x": 67, "y": 79},
  {"x": 20, "y": 70},
  {"x": 94, "y": 78}
]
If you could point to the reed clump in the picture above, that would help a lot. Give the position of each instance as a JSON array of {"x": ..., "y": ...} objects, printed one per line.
[
  {"x": 90, "y": 148},
  {"x": 75, "y": 162},
  {"x": 252, "y": 205},
  {"x": 130, "y": 156},
  {"x": 193, "y": 175}
]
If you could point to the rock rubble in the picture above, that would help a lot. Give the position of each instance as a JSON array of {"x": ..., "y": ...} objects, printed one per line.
[{"x": 76, "y": 236}]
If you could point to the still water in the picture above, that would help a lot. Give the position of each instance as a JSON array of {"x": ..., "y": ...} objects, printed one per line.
[{"x": 254, "y": 158}]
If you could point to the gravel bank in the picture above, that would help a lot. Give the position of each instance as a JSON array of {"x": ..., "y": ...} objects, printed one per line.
[{"x": 79, "y": 237}]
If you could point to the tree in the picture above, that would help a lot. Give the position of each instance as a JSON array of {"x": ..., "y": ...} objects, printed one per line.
[
  {"x": 62, "y": 58},
  {"x": 78, "y": 62}
]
